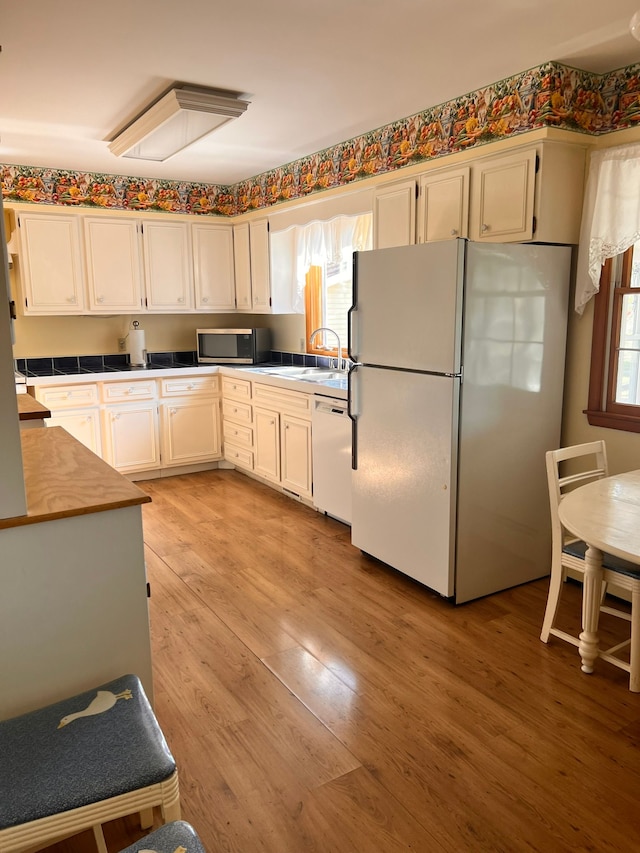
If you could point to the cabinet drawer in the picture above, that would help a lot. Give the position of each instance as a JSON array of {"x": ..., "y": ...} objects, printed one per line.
[
  {"x": 179, "y": 386},
  {"x": 137, "y": 389},
  {"x": 68, "y": 396},
  {"x": 239, "y": 456},
  {"x": 237, "y": 389},
  {"x": 238, "y": 434},
  {"x": 236, "y": 411},
  {"x": 276, "y": 398}
]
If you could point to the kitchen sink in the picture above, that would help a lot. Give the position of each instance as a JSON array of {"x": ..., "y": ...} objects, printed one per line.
[{"x": 309, "y": 374}]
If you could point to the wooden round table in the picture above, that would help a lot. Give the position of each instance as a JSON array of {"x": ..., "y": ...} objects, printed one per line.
[{"x": 606, "y": 515}]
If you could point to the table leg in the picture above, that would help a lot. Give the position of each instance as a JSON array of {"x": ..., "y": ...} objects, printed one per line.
[{"x": 591, "y": 596}]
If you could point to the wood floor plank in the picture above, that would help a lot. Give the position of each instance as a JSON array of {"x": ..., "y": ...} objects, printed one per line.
[{"x": 317, "y": 700}]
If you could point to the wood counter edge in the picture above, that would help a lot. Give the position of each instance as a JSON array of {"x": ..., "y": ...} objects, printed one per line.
[
  {"x": 30, "y": 409},
  {"x": 63, "y": 478}
]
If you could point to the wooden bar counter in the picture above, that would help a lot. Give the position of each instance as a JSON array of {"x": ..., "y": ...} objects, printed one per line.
[{"x": 73, "y": 602}]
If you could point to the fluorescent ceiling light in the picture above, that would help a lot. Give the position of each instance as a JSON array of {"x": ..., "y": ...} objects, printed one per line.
[{"x": 175, "y": 121}]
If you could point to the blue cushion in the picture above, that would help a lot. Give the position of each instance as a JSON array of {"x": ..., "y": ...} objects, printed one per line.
[
  {"x": 609, "y": 561},
  {"x": 168, "y": 838},
  {"x": 82, "y": 750}
]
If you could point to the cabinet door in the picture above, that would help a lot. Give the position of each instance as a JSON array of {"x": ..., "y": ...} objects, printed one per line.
[
  {"x": 242, "y": 263},
  {"x": 51, "y": 261},
  {"x": 443, "y": 210},
  {"x": 296, "y": 455},
  {"x": 113, "y": 264},
  {"x": 167, "y": 266},
  {"x": 190, "y": 431},
  {"x": 502, "y": 198},
  {"x": 394, "y": 215},
  {"x": 260, "y": 274},
  {"x": 84, "y": 425},
  {"x": 213, "y": 273},
  {"x": 267, "y": 443},
  {"x": 131, "y": 436}
]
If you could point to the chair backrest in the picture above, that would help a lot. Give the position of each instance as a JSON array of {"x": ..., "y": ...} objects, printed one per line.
[{"x": 589, "y": 463}]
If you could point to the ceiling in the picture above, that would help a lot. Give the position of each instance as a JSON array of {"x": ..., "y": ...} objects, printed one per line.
[{"x": 74, "y": 72}]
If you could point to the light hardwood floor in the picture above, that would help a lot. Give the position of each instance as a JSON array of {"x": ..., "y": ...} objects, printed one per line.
[{"x": 316, "y": 700}]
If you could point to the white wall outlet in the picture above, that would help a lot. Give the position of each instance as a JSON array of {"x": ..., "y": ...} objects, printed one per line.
[{"x": 122, "y": 344}]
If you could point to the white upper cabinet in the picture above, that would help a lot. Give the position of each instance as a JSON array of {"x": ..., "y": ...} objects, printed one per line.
[
  {"x": 251, "y": 253},
  {"x": 114, "y": 274},
  {"x": 242, "y": 260},
  {"x": 443, "y": 205},
  {"x": 213, "y": 267},
  {"x": 394, "y": 215},
  {"x": 51, "y": 264},
  {"x": 167, "y": 265},
  {"x": 533, "y": 193},
  {"x": 260, "y": 271},
  {"x": 502, "y": 202}
]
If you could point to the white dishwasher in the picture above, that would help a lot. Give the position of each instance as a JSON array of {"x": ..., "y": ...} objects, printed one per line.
[{"x": 331, "y": 449}]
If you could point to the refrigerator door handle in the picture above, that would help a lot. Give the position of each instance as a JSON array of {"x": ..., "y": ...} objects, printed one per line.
[
  {"x": 352, "y": 401},
  {"x": 351, "y": 345}
]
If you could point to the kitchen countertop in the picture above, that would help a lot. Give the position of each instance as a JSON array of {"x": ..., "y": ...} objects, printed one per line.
[
  {"x": 64, "y": 479},
  {"x": 330, "y": 387}
]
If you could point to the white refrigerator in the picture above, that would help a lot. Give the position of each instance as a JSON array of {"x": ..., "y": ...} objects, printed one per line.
[{"x": 454, "y": 398}]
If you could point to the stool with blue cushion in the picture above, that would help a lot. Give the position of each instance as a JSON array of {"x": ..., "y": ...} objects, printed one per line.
[
  {"x": 168, "y": 839},
  {"x": 81, "y": 762}
]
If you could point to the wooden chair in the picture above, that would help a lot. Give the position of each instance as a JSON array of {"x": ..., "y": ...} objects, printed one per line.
[
  {"x": 81, "y": 762},
  {"x": 589, "y": 463}
]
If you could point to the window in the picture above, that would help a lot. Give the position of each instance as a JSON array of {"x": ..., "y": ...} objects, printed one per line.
[
  {"x": 313, "y": 265},
  {"x": 614, "y": 386}
]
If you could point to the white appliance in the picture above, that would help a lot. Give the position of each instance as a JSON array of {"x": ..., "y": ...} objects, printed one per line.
[
  {"x": 455, "y": 397},
  {"x": 331, "y": 451}
]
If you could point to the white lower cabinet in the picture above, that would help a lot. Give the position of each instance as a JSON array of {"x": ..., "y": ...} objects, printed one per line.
[
  {"x": 295, "y": 448},
  {"x": 190, "y": 431},
  {"x": 267, "y": 430},
  {"x": 82, "y": 424},
  {"x": 131, "y": 436},
  {"x": 267, "y": 440},
  {"x": 76, "y": 409},
  {"x": 142, "y": 424}
]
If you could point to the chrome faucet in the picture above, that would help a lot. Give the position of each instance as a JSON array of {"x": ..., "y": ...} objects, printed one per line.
[{"x": 333, "y": 332}]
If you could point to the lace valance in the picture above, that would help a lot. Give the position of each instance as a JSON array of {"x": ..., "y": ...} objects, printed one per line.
[{"x": 610, "y": 215}]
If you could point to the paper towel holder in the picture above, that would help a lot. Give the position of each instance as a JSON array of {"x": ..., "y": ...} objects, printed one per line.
[{"x": 137, "y": 347}]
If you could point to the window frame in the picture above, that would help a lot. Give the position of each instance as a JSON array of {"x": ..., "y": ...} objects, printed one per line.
[{"x": 602, "y": 410}]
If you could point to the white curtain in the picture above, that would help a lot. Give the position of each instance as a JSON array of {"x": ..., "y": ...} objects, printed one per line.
[
  {"x": 610, "y": 215},
  {"x": 293, "y": 251}
]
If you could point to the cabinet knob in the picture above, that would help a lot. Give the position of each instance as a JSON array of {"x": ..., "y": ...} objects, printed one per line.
[
  {"x": 190, "y": 387},
  {"x": 485, "y": 228},
  {"x": 100, "y": 298},
  {"x": 129, "y": 390},
  {"x": 454, "y": 232},
  {"x": 180, "y": 298},
  {"x": 205, "y": 298},
  {"x": 71, "y": 299},
  {"x": 172, "y": 411},
  {"x": 115, "y": 417}
]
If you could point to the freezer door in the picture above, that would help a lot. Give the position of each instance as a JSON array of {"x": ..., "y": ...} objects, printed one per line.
[
  {"x": 404, "y": 489},
  {"x": 408, "y": 307}
]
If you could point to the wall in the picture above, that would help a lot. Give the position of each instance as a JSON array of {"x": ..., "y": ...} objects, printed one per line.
[{"x": 57, "y": 336}]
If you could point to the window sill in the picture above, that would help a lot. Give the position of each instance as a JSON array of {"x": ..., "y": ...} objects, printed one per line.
[{"x": 611, "y": 420}]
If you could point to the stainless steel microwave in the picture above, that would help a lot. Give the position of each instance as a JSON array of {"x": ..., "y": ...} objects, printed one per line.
[{"x": 233, "y": 346}]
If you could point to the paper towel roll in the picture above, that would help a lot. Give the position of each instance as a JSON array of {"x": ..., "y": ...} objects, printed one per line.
[{"x": 137, "y": 348}]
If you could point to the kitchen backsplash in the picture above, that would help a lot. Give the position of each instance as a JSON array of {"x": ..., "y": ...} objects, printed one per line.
[{"x": 71, "y": 365}]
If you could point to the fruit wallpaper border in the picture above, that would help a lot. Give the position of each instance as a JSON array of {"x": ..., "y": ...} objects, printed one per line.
[{"x": 551, "y": 95}]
